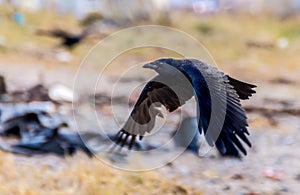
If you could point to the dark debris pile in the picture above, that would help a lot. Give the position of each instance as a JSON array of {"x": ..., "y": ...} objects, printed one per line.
[
  {"x": 30, "y": 124},
  {"x": 38, "y": 132}
]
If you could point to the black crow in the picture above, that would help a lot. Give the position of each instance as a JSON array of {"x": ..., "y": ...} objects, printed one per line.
[
  {"x": 220, "y": 114},
  {"x": 68, "y": 40}
]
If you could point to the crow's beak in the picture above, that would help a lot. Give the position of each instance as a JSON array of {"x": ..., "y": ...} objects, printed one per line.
[{"x": 151, "y": 66}]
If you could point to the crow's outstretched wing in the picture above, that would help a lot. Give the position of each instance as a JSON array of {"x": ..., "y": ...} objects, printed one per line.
[
  {"x": 156, "y": 93},
  {"x": 221, "y": 115}
]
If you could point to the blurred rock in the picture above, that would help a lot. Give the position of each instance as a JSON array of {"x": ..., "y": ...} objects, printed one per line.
[
  {"x": 237, "y": 177},
  {"x": 260, "y": 44},
  {"x": 180, "y": 190},
  {"x": 38, "y": 93},
  {"x": 284, "y": 189},
  {"x": 281, "y": 80},
  {"x": 226, "y": 188},
  {"x": 297, "y": 177}
]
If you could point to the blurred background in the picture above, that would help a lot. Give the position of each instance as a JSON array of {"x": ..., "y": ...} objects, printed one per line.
[{"x": 43, "y": 42}]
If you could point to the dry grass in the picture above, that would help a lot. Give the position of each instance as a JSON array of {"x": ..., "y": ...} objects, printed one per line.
[
  {"x": 224, "y": 35},
  {"x": 78, "y": 175}
]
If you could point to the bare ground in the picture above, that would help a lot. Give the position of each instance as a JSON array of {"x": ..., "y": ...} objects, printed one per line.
[{"x": 275, "y": 140}]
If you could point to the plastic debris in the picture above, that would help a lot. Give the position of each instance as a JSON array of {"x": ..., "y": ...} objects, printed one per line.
[
  {"x": 61, "y": 93},
  {"x": 283, "y": 43},
  {"x": 64, "y": 57},
  {"x": 272, "y": 174}
]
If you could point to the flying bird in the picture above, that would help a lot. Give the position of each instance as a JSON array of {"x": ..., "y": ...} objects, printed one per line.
[
  {"x": 68, "y": 40},
  {"x": 220, "y": 115}
]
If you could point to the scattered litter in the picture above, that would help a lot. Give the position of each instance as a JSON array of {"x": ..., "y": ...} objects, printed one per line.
[
  {"x": 32, "y": 117},
  {"x": 11, "y": 110},
  {"x": 297, "y": 177},
  {"x": 46, "y": 106},
  {"x": 284, "y": 81},
  {"x": 282, "y": 43},
  {"x": 19, "y": 18},
  {"x": 226, "y": 188},
  {"x": 183, "y": 170},
  {"x": 36, "y": 136},
  {"x": 273, "y": 175},
  {"x": 64, "y": 57},
  {"x": 60, "y": 93},
  {"x": 36, "y": 93},
  {"x": 39, "y": 92}
]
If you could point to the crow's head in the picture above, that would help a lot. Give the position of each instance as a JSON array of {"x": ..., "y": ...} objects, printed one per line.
[{"x": 165, "y": 66}]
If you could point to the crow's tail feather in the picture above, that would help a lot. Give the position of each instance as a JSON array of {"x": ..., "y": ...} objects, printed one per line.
[{"x": 244, "y": 90}]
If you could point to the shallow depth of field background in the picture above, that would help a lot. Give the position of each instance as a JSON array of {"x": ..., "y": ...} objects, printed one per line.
[{"x": 256, "y": 41}]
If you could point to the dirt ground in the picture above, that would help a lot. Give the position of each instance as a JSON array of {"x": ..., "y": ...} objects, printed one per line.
[
  {"x": 275, "y": 141},
  {"x": 272, "y": 165}
]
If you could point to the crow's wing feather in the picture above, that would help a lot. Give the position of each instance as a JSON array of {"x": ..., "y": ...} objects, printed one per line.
[
  {"x": 156, "y": 93},
  {"x": 221, "y": 115},
  {"x": 244, "y": 90}
]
